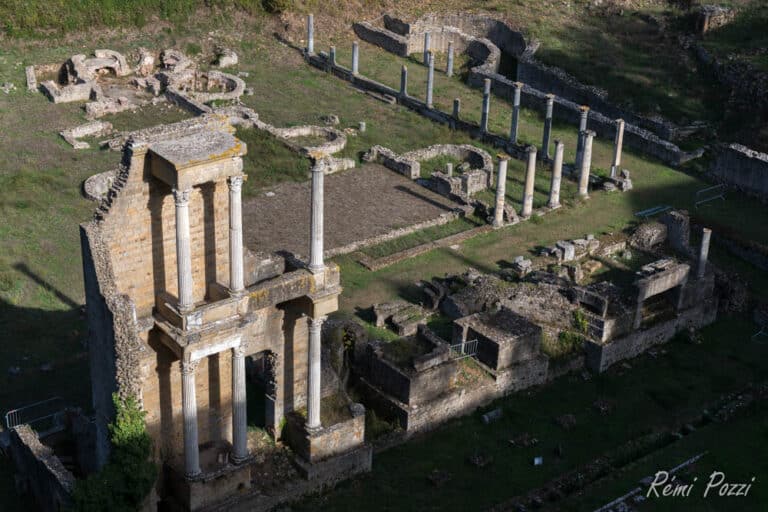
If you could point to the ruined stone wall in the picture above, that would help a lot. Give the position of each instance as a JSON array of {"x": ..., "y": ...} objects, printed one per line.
[
  {"x": 741, "y": 168},
  {"x": 523, "y": 375},
  {"x": 334, "y": 440}
]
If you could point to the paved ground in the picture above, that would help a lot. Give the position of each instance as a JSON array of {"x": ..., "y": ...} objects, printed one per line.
[{"x": 359, "y": 203}]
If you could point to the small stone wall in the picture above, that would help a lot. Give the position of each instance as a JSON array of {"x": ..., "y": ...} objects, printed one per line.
[{"x": 741, "y": 168}]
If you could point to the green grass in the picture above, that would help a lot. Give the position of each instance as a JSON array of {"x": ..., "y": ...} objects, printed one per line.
[
  {"x": 423, "y": 236},
  {"x": 439, "y": 163},
  {"x": 745, "y": 36}
]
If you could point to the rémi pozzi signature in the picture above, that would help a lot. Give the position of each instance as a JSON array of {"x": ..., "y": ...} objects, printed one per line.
[{"x": 664, "y": 485}]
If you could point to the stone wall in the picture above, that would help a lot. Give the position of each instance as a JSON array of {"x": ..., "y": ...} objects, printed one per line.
[
  {"x": 741, "y": 168},
  {"x": 50, "y": 483}
]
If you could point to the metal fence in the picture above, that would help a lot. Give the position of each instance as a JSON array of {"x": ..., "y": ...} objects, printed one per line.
[
  {"x": 708, "y": 194},
  {"x": 34, "y": 414},
  {"x": 465, "y": 349}
]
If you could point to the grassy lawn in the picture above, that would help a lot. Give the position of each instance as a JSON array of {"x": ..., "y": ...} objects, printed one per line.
[
  {"x": 421, "y": 237},
  {"x": 656, "y": 394}
]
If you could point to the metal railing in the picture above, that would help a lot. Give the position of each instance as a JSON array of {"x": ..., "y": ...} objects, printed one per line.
[
  {"x": 465, "y": 349},
  {"x": 708, "y": 194},
  {"x": 35, "y": 413},
  {"x": 650, "y": 212}
]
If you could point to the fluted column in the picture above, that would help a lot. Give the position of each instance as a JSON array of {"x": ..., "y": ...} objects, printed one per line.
[
  {"x": 518, "y": 87},
  {"x": 501, "y": 189},
  {"x": 426, "y": 48},
  {"x": 557, "y": 175},
  {"x": 239, "y": 407},
  {"x": 189, "y": 413},
  {"x": 310, "y": 34},
  {"x": 355, "y": 57},
  {"x": 236, "y": 281},
  {"x": 618, "y": 141},
  {"x": 703, "y": 253},
  {"x": 404, "y": 81},
  {"x": 430, "y": 77},
  {"x": 486, "y": 105},
  {"x": 183, "y": 249},
  {"x": 316, "y": 262},
  {"x": 313, "y": 385},
  {"x": 583, "y": 117},
  {"x": 530, "y": 174},
  {"x": 449, "y": 66},
  {"x": 586, "y": 164},
  {"x": 547, "y": 126}
]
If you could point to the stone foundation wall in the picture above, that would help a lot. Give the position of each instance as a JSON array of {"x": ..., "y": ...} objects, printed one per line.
[{"x": 741, "y": 168}]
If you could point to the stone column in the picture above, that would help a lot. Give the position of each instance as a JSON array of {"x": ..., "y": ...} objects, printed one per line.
[
  {"x": 332, "y": 55},
  {"x": 618, "y": 141},
  {"x": 701, "y": 269},
  {"x": 183, "y": 249},
  {"x": 557, "y": 174},
  {"x": 236, "y": 283},
  {"x": 515, "y": 112},
  {"x": 316, "y": 263},
  {"x": 583, "y": 115},
  {"x": 486, "y": 105},
  {"x": 189, "y": 413},
  {"x": 426, "y": 48},
  {"x": 430, "y": 77},
  {"x": 530, "y": 175},
  {"x": 456, "y": 108},
  {"x": 449, "y": 169},
  {"x": 586, "y": 164},
  {"x": 449, "y": 67},
  {"x": 310, "y": 34},
  {"x": 547, "y": 127},
  {"x": 355, "y": 57},
  {"x": 239, "y": 407},
  {"x": 313, "y": 385},
  {"x": 501, "y": 189},
  {"x": 404, "y": 81}
]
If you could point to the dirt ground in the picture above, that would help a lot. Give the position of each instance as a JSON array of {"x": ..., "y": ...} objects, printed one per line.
[{"x": 359, "y": 203}]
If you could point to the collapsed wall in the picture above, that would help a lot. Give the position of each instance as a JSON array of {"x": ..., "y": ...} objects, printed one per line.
[{"x": 741, "y": 168}]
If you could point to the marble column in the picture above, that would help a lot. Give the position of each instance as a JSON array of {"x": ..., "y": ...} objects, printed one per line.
[
  {"x": 618, "y": 141},
  {"x": 530, "y": 176},
  {"x": 547, "y": 127},
  {"x": 486, "y": 105},
  {"x": 404, "y": 81},
  {"x": 501, "y": 189},
  {"x": 557, "y": 175},
  {"x": 449, "y": 169},
  {"x": 426, "y": 48},
  {"x": 518, "y": 87},
  {"x": 313, "y": 384},
  {"x": 430, "y": 77},
  {"x": 332, "y": 55},
  {"x": 189, "y": 413},
  {"x": 355, "y": 57},
  {"x": 449, "y": 67},
  {"x": 583, "y": 116},
  {"x": 586, "y": 164},
  {"x": 236, "y": 282},
  {"x": 310, "y": 34},
  {"x": 316, "y": 261},
  {"x": 701, "y": 269},
  {"x": 239, "y": 407},
  {"x": 183, "y": 249},
  {"x": 456, "y": 108}
]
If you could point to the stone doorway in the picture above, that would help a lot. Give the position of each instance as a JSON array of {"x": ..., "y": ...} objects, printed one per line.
[{"x": 261, "y": 389}]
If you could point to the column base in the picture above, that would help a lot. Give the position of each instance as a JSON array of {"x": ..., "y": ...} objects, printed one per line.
[
  {"x": 316, "y": 269},
  {"x": 192, "y": 475},
  {"x": 238, "y": 460},
  {"x": 554, "y": 206}
]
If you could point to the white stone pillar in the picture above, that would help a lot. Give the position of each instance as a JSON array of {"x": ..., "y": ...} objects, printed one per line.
[
  {"x": 426, "y": 48},
  {"x": 430, "y": 77},
  {"x": 583, "y": 116},
  {"x": 355, "y": 57},
  {"x": 404, "y": 81},
  {"x": 310, "y": 34},
  {"x": 586, "y": 164},
  {"x": 183, "y": 249},
  {"x": 236, "y": 280},
  {"x": 449, "y": 67},
  {"x": 547, "y": 126},
  {"x": 703, "y": 253},
  {"x": 239, "y": 407},
  {"x": 486, "y": 105},
  {"x": 530, "y": 175},
  {"x": 332, "y": 55},
  {"x": 557, "y": 175},
  {"x": 189, "y": 413},
  {"x": 316, "y": 261},
  {"x": 313, "y": 384},
  {"x": 518, "y": 86},
  {"x": 501, "y": 189},
  {"x": 618, "y": 141}
]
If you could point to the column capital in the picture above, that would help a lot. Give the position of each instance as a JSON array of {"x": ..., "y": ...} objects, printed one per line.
[
  {"x": 181, "y": 197},
  {"x": 188, "y": 367},
  {"x": 316, "y": 322},
  {"x": 238, "y": 351},
  {"x": 235, "y": 183}
]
